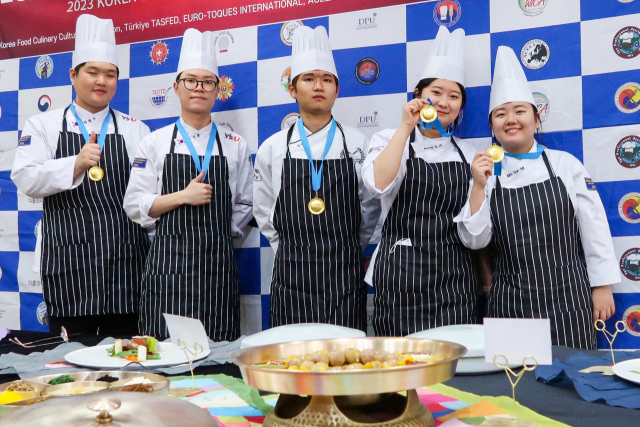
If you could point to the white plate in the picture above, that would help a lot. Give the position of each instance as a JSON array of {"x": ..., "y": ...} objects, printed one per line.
[
  {"x": 623, "y": 370},
  {"x": 97, "y": 357},
  {"x": 299, "y": 332},
  {"x": 470, "y": 336}
]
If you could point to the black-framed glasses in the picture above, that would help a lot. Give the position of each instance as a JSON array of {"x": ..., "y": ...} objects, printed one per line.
[{"x": 192, "y": 84}]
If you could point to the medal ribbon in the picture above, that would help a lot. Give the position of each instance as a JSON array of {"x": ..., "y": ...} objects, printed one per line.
[
  {"x": 83, "y": 129},
  {"x": 435, "y": 124},
  {"x": 194, "y": 154},
  {"x": 497, "y": 167},
  {"x": 316, "y": 175}
]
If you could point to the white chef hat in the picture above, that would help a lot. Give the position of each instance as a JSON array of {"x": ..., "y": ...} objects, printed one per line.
[
  {"x": 95, "y": 41},
  {"x": 311, "y": 51},
  {"x": 509, "y": 82},
  {"x": 446, "y": 60},
  {"x": 198, "y": 51}
]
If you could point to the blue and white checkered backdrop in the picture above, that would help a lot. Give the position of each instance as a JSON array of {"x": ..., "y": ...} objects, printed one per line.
[{"x": 581, "y": 56}]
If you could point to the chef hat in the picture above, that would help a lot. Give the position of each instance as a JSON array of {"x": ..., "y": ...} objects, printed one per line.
[
  {"x": 509, "y": 82},
  {"x": 446, "y": 60},
  {"x": 95, "y": 41},
  {"x": 311, "y": 51},
  {"x": 198, "y": 51}
]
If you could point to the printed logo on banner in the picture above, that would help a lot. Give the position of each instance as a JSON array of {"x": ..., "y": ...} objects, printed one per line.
[
  {"x": 41, "y": 313},
  {"x": 626, "y": 42},
  {"x": 631, "y": 319},
  {"x": 159, "y": 97},
  {"x": 368, "y": 22},
  {"x": 286, "y": 32},
  {"x": 629, "y": 208},
  {"x": 44, "y": 103},
  {"x": 289, "y": 120},
  {"x": 357, "y": 155},
  {"x": 628, "y": 97},
  {"x": 367, "y": 71},
  {"x": 284, "y": 79},
  {"x": 532, "y": 7},
  {"x": 542, "y": 104},
  {"x": 535, "y": 54},
  {"x": 44, "y": 67},
  {"x": 630, "y": 264},
  {"x": 628, "y": 151},
  {"x": 159, "y": 52},
  {"x": 447, "y": 12},
  {"x": 368, "y": 121},
  {"x": 226, "y": 88},
  {"x": 223, "y": 40}
]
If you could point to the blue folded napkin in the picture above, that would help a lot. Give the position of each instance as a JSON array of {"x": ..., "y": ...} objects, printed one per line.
[{"x": 594, "y": 386}]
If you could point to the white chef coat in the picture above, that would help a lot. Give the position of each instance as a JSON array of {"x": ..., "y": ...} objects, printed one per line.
[
  {"x": 268, "y": 175},
  {"x": 431, "y": 150},
  {"x": 475, "y": 231},
  {"x": 146, "y": 182},
  {"x": 37, "y": 173}
]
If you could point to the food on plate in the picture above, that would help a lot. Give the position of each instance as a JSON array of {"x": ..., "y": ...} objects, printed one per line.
[
  {"x": 108, "y": 378},
  {"x": 76, "y": 390},
  {"x": 61, "y": 380},
  {"x": 137, "y": 349},
  {"x": 21, "y": 386},
  {"x": 10, "y": 397},
  {"x": 349, "y": 359},
  {"x": 140, "y": 388}
]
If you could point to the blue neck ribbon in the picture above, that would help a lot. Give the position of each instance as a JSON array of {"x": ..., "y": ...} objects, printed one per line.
[
  {"x": 497, "y": 167},
  {"x": 316, "y": 175},
  {"x": 194, "y": 154},
  {"x": 83, "y": 129},
  {"x": 435, "y": 124}
]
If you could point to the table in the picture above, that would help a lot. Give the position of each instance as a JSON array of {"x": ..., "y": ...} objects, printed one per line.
[{"x": 560, "y": 402}]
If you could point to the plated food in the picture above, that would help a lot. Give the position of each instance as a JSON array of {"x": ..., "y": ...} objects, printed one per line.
[
  {"x": 349, "y": 359},
  {"x": 137, "y": 349}
]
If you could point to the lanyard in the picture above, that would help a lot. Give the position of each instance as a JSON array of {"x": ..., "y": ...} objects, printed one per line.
[
  {"x": 435, "y": 124},
  {"x": 194, "y": 154},
  {"x": 497, "y": 167},
  {"x": 316, "y": 175},
  {"x": 83, "y": 128}
]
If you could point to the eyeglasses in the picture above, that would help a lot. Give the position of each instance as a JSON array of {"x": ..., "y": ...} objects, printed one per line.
[{"x": 192, "y": 84}]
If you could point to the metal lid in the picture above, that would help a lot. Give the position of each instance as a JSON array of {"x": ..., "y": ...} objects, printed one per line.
[{"x": 119, "y": 409}]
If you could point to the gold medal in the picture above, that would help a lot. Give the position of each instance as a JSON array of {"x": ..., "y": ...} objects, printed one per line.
[
  {"x": 496, "y": 152},
  {"x": 96, "y": 173},
  {"x": 428, "y": 113},
  {"x": 316, "y": 205}
]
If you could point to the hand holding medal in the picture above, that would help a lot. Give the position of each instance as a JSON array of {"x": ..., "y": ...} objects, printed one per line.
[
  {"x": 89, "y": 156},
  {"x": 95, "y": 173},
  {"x": 429, "y": 119}
]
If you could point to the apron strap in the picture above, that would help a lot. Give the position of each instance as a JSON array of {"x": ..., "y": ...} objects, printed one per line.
[
  {"x": 64, "y": 120},
  {"x": 344, "y": 140},
  {"x": 289, "y": 133},
  {"x": 115, "y": 122},
  {"x": 175, "y": 135},
  {"x": 412, "y": 139},
  {"x": 546, "y": 162},
  {"x": 464, "y": 160}
]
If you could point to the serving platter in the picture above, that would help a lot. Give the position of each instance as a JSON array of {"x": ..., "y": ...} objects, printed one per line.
[{"x": 97, "y": 357}]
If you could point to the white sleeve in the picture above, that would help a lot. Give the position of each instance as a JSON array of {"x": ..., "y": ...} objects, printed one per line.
[
  {"x": 475, "y": 231},
  {"x": 602, "y": 265},
  {"x": 143, "y": 184},
  {"x": 263, "y": 199},
  {"x": 243, "y": 200},
  {"x": 370, "y": 207},
  {"x": 377, "y": 144},
  {"x": 35, "y": 171}
]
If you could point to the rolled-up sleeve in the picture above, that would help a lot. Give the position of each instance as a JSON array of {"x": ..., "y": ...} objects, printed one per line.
[{"x": 475, "y": 230}]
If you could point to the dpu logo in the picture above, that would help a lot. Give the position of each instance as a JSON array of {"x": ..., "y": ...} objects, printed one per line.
[
  {"x": 44, "y": 103},
  {"x": 365, "y": 23},
  {"x": 368, "y": 121}
]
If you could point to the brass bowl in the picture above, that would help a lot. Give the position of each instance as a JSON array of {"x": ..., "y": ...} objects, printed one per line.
[{"x": 353, "y": 382}]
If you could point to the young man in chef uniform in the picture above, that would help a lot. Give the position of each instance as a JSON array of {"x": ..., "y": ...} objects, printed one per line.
[
  {"x": 192, "y": 180},
  {"x": 78, "y": 159},
  {"x": 310, "y": 202}
]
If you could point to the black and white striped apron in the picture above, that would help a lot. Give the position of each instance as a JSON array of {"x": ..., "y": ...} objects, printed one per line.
[
  {"x": 433, "y": 281},
  {"x": 539, "y": 270},
  {"x": 191, "y": 269},
  {"x": 92, "y": 253},
  {"x": 318, "y": 275}
]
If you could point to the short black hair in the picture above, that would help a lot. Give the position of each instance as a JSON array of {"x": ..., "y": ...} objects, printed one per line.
[
  {"x": 79, "y": 66},
  {"x": 424, "y": 83},
  {"x": 294, "y": 82}
]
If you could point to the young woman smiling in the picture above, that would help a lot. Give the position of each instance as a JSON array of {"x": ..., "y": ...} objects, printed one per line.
[{"x": 553, "y": 252}]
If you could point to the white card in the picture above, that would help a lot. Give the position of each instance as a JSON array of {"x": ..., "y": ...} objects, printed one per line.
[
  {"x": 190, "y": 331},
  {"x": 517, "y": 339}
]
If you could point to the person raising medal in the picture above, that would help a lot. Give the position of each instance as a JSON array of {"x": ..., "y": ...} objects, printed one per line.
[
  {"x": 310, "y": 202},
  {"x": 553, "y": 255}
]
